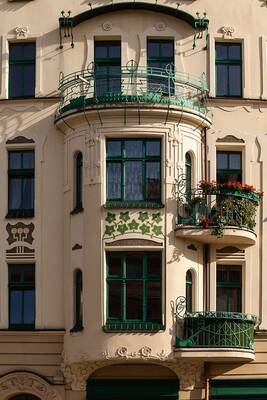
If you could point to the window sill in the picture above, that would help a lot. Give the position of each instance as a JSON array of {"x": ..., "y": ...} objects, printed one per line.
[
  {"x": 133, "y": 204},
  {"x": 21, "y": 328},
  {"x": 133, "y": 326},
  {"x": 76, "y": 210},
  {"x": 77, "y": 328},
  {"x": 20, "y": 214}
]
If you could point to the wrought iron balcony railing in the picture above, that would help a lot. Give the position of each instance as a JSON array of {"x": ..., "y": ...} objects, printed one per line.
[
  {"x": 217, "y": 209},
  {"x": 131, "y": 84},
  {"x": 217, "y": 329}
]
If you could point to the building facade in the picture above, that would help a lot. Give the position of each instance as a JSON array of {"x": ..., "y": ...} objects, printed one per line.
[{"x": 133, "y": 220}]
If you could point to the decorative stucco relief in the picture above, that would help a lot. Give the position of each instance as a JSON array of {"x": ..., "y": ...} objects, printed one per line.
[
  {"x": 22, "y": 32},
  {"x": 142, "y": 222},
  {"x": 20, "y": 238},
  {"x": 160, "y": 26},
  {"x": 92, "y": 162},
  {"x": 25, "y": 382},
  {"x": 227, "y": 30}
]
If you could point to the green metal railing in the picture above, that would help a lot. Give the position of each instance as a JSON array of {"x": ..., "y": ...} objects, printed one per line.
[
  {"x": 132, "y": 84},
  {"x": 217, "y": 329}
]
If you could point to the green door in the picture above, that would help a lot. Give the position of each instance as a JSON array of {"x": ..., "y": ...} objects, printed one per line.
[
  {"x": 132, "y": 389},
  {"x": 243, "y": 389}
]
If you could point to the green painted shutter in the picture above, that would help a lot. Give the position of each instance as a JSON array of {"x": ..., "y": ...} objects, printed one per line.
[
  {"x": 146, "y": 389},
  {"x": 245, "y": 389}
]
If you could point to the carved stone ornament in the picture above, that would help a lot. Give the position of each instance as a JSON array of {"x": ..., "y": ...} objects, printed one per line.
[
  {"x": 19, "y": 140},
  {"x": 175, "y": 136},
  {"x": 20, "y": 232},
  {"x": 227, "y": 30},
  {"x": 160, "y": 26},
  {"x": 22, "y": 32},
  {"x": 77, "y": 374},
  {"x": 107, "y": 26},
  {"x": 189, "y": 374},
  {"x": 25, "y": 382},
  {"x": 230, "y": 139}
]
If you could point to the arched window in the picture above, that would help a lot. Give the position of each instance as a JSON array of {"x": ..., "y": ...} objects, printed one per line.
[
  {"x": 189, "y": 291},
  {"x": 78, "y": 182},
  {"x": 188, "y": 172},
  {"x": 78, "y": 288},
  {"x": 24, "y": 397}
]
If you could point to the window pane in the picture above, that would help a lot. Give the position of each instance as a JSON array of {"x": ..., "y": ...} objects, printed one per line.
[
  {"x": 235, "y": 275},
  {"x": 15, "y": 307},
  {"x": 29, "y": 306},
  {"x": 29, "y": 274},
  {"x": 234, "y": 300},
  {"x": 15, "y": 51},
  {"x": 234, "y": 52},
  {"x": 134, "y": 297},
  {"x": 27, "y": 193},
  {"x": 221, "y": 80},
  {"x": 222, "y": 297},
  {"x": 28, "y": 159},
  {"x": 14, "y": 198},
  {"x": 154, "y": 265},
  {"x": 167, "y": 49},
  {"x": 133, "y": 180},
  {"x": 115, "y": 51},
  {"x": 134, "y": 265},
  {"x": 222, "y": 160},
  {"x": 153, "y": 301},
  {"x": 235, "y": 80},
  {"x": 234, "y": 160},
  {"x": 100, "y": 51},
  {"x": 222, "y": 275},
  {"x": 15, "y": 275},
  {"x": 133, "y": 148},
  {"x": 114, "y": 180},
  {"x": 16, "y": 80},
  {"x": 114, "y": 300},
  {"x": 29, "y": 80},
  {"x": 114, "y": 264},
  {"x": 152, "y": 49},
  {"x": 153, "y": 180},
  {"x": 153, "y": 148},
  {"x": 14, "y": 159},
  {"x": 223, "y": 177},
  {"x": 221, "y": 51},
  {"x": 114, "y": 148}
]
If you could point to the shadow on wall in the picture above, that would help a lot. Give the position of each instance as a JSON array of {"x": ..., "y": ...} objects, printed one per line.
[{"x": 11, "y": 6}]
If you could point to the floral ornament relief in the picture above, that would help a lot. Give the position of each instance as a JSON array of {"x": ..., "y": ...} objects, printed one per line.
[{"x": 150, "y": 224}]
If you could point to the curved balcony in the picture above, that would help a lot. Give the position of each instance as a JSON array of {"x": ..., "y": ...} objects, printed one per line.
[
  {"x": 220, "y": 216},
  {"x": 132, "y": 85},
  {"x": 217, "y": 336}
]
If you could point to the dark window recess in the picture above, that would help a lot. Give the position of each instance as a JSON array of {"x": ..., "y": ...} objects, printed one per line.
[
  {"x": 107, "y": 67},
  {"x": 229, "y": 288},
  {"x": 134, "y": 287},
  {"x": 20, "y": 184},
  {"x": 78, "y": 289},
  {"x": 78, "y": 184},
  {"x": 228, "y": 69},
  {"x": 189, "y": 291},
  {"x": 188, "y": 173},
  {"x": 21, "y": 296},
  {"x": 22, "y": 57},
  {"x": 134, "y": 170},
  {"x": 160, "y": 57},
  {"x": 229, "y": 166}
]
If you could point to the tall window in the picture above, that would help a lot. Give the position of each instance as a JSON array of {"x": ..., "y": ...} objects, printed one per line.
[
  {"x": 228, "y": 69},
  {"x": 229, "y": 288},
  {"x": 189, "y": 291},
  {"x": 134, "y": 287},
  {"x": 22, "y": 70},
  {"x": 21, "y": 183},
  {"x": 78, "y": 182},
  {"x": 78, "y": 288},
  {"x": 133, "y": 170},
  {"x": 21, "y": 296},
  {"x": 160, "y": 57},
  {"x": 107, "y": 67},
  {"x": 229, "y": 166},
  {"x": 188, "y": 172}
]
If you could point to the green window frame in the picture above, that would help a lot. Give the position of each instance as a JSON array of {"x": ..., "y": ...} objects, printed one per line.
[
  {"x": 229, "y": 288},
  {"x": 160, "y": 56},
  {"x": 133, "y": 171},
  {"x": 21, "y": 278},
  {"x": 107, "y": 61},
  {"x": 228, "y": 69},
  {"x": 229, "y": 166},
  {"x": 21, "y": 183},
  {"x": 134, "y": 290},
  {"x": 22, "y": 60},
  {"x": 189, "y": 291}
]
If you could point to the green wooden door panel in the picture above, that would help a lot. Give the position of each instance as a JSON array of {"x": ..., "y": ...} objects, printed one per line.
[
  {"x": 146, "y": 389},
  {"x": 246, "y": 389}
]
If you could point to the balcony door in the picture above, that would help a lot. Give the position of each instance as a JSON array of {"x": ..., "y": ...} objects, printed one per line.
[
  {"x": 107, "y": 68},
  {"x": 229, "y": 288}
]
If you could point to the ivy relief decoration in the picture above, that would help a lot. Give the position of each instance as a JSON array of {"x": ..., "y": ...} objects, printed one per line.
[{"x": 149, "y": 224}]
